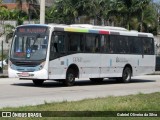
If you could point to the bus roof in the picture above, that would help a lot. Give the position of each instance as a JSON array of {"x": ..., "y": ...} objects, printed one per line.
[{"x": 87, "y": 28}]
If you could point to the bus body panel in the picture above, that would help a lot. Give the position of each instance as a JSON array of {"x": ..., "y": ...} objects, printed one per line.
[
  {"x": 101, "y": 65},
  {"x": 87, "y": 64}
]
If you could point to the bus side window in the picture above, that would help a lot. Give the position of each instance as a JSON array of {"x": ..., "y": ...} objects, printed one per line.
[
  {"x": 134, "y": 44},
  {"x": 105, "y": 44},
  {"x": 148, "y": 46},
  {"x": 113, "y": 44},
  {"x": 75, "y": 42},
  {"x": 57, "y": 45},
  {"x": 89, "y": 43},
  {"x": 97, "y": 43},
  {"x": 52, "y": 47},
  {"x": 123, "y": 46},
  {"x": 82, "y": 43},
  {"x": 92, "y": 43}
]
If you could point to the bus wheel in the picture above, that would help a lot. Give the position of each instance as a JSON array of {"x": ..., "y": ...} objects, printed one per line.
[
  {"x": 70, "y": 78},
  {"x": 38, "y": 82},
  {"x": 96, "y": 80},
  {"x": 126, "y": 76}
]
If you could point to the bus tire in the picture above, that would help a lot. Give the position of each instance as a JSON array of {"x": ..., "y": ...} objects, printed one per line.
[
  {"x": 126, "y": 75},
  {"x": 38, "y": 82},
  {"x": 96, "y": 80},
  {"x": 70, "y": 78}
]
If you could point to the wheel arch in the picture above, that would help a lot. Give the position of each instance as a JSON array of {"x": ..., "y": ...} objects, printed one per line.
[
  {"x": 129, "y": 66},
  {"x": 75, "y": 68}
]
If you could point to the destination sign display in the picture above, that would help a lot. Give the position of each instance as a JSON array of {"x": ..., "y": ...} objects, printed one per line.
[{"x": 39, "y": 30}]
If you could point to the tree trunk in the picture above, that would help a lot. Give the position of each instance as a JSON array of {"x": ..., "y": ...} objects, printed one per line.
[
  {"x": 128, "y": 22},
  {"x": 141, "y": 22}
]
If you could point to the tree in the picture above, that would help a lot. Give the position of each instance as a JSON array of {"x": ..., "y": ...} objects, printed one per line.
[
  {"x": 148, "y": 19},
  {"x": 20, "y": 3},
  {"x": 127, "y": 9},
  {"x": 31, "y": 12},
  {"x": 143, "y": 5},
  {"x": 101, "y": 8},
  {"x": 156, "y": 6},
  {"x": 67, "y": 11},
  {"x": 64, "y": 11},
  {"x": 110, "y": 10},
  {"x": 132, "y": 14},
  {"x": 148, "y": 23},
  {"x": 4, "y": 14}
]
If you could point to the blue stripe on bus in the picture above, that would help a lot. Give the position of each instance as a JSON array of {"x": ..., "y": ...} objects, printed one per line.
[
  {"x": 110, "y": 62},
  {"x": 67, "y": 62},
  {"x": 94, "y": 31}
]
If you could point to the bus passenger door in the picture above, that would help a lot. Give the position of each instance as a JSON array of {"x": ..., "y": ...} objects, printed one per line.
[
  {"x": 147, "y": 66},
  {"x": 57, "y": 50}
]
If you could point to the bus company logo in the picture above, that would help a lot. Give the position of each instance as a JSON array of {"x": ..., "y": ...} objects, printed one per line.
[
  {"x": 6, "y": 114},
  {"x": 118, "y": 59}
]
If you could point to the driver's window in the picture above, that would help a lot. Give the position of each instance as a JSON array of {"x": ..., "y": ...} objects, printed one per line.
[{"x": 57, "y": 44}]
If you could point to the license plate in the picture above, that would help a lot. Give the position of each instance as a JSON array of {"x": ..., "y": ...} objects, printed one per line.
[{"x": 24, "y": 74}]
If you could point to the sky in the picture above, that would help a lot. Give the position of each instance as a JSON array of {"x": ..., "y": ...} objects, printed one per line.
[{"x": 156, "y": 0}]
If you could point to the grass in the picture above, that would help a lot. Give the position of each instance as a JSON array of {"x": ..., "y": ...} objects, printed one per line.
[{"x": 140, "y": 102}]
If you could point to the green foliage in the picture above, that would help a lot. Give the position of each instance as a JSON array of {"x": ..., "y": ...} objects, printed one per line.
[
  {"x": 140, "y": 15},
  {"x": 140, "y": 102},
  {"x": 4, "y": 13}
]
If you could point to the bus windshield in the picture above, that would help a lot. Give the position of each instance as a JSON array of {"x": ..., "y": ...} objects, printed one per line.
[{"x": 30, "y": 43}]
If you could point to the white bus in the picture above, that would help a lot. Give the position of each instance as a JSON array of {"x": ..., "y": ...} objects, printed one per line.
[{"x": 68, "y": 52}]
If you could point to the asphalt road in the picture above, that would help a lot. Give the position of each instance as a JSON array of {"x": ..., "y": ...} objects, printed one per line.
[{"x": 14, "y": 92}]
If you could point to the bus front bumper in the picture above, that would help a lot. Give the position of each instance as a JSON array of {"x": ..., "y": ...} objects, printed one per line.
[{"x": 41, "y": 74}]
